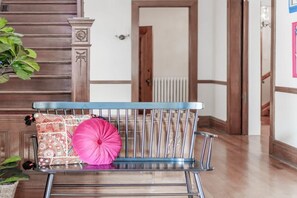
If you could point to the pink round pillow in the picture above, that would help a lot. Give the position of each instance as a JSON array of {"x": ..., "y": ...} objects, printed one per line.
[{"x": 96, "y": 141}]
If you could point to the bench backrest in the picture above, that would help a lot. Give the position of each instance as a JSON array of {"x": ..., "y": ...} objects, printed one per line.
[{"x": 149, "y": 131}]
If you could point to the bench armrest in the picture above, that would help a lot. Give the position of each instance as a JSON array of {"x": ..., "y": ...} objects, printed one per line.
[{"x": 206, "y": 149}]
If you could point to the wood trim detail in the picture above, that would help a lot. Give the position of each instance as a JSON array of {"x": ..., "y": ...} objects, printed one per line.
[
  {"x": 98, "y": 82},
  {"x": 80, "y": 58},
  {"x": 265, "y": 76},
  {"x": 80, "y": 8},
  {"x": 234, "y": 66},
  {"x": 286, "y": 90},
  {"x": 193, "y": 41},
  {"x": 212, "y": 122},
  {"x": 218, "y": 82},
  {"x": 272, "y": 73},
  {"x": 265, "y": 105},
  {"x": 284, "y": 152},
  {"x": 245, "y": 70}
]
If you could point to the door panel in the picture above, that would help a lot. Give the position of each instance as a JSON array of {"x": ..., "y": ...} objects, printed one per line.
[{"x": 145, "y": 64}]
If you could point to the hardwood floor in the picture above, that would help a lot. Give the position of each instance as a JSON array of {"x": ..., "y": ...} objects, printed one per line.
[{"x": 243, "y": 168}]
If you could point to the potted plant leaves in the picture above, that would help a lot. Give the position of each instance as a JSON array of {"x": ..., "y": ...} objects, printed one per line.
[
  {"x": 10, "y": 175},
  {"x": 15, "y": 59}
]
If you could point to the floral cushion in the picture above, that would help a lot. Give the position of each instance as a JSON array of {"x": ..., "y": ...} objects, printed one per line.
[{"x": 54, "y": 134}]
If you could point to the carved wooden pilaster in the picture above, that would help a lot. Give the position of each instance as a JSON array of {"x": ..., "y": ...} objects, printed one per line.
[{"x": 81, "y": 58}]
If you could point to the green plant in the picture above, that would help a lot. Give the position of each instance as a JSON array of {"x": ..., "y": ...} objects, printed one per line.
[
  {"x": 9, "y": 171},
  {"x": 14, "y": 57}
]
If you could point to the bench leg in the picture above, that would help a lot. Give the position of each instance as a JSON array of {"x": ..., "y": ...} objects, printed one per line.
[
  {"x": 199, "y": 185},
  {"x": 49, "y": 184},
  {"x": 189, "y": 183}
]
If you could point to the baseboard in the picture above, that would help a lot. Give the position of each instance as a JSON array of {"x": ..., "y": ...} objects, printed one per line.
[
  {"x": 284, "y": 152},
  {"x": 212, "y": 122},
  {"x": 204, "y": 121}
]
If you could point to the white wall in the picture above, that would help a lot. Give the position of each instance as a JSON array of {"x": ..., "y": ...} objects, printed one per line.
[
  {"x": 254, "y": 69},
  {"x": 220, "y": 59},
  {"x": 205, "y": 54},
  {"x": 205, "y": 39},
  {"x": 265, "y": 54},
  {"x": 212, "y": 56},
  {"x": 170, "y": 40},
  {"x": 285, "y": 104},
  {"x": 110, "y": 57}
]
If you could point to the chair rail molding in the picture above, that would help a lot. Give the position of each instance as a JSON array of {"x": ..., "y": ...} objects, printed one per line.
[{"x": 80, "y": 58}]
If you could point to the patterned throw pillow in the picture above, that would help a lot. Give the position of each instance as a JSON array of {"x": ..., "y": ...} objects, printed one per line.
[{"x": 54, "y": 134}]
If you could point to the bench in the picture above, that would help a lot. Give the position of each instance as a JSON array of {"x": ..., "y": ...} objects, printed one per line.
[{"x": 155, "y": 137}]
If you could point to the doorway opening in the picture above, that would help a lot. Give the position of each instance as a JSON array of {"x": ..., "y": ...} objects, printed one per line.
[
  {"x": 192, "y": 42},
  {"x": 163, "y": 54},
  {"x": 265, "y": 66}
]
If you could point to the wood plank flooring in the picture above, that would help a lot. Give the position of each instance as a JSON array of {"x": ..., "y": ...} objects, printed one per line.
[{"x": 243, "y": 168}]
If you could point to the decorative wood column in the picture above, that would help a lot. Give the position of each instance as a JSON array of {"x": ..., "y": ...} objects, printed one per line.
[{"x": 81, "y": 58}]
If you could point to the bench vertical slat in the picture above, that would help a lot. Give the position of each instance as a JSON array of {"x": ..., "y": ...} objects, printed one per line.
[
  {"x": 134, "y": 133},
  {"x": 143, "y": 133},
  {"x": 126, "y": 133},
  {"x": 193, "y": 136},
  {"x": 160, "y": 133},
  {"x": 182, "y": 154},
  {"x": 151, "y": 133},
  {"x": 168, "y": 133},
  {"x": 109, "y": 115},
  {"x": 177, "y": 131},
  {"x": 118, "y": 121}
]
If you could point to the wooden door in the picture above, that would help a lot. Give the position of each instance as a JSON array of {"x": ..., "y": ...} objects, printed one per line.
[{"x": 145, "y": 64}]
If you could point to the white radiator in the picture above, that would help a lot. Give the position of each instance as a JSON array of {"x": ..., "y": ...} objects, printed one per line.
[{"x": 170, "y": 89}]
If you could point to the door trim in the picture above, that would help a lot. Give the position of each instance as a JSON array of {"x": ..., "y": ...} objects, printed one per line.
[
  {"x": 235, "y": 67},
  {"x": 193, "y": 42},
  {"x": 245, "y": 72}
]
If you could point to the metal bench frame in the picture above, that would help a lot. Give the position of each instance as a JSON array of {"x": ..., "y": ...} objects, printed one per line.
[{"x": 133, "y": 157}]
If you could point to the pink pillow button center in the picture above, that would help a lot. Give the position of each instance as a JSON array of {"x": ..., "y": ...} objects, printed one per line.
[{"x": 99, "y": 142}]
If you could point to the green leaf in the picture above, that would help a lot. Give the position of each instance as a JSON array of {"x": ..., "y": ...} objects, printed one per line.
[
  {"x": 16, "y": 40},
  {"x": 4, "y": 47},
  {"x": 3, "y": 22},
  {"x": 4, "y": 40},
  {"x": 31, "y": 53},
  {"x": 7, "y": 29},
  {"x": 23, "y": 74},
  {"x": 4, "y": 78},
  {"x": 14, "y": 179},
  {"x": 11, "y": 159},
  {"x": 8, "y": 166},
  {"x": 28, "y": 69},
  {"x": 31, "y": 63}
]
